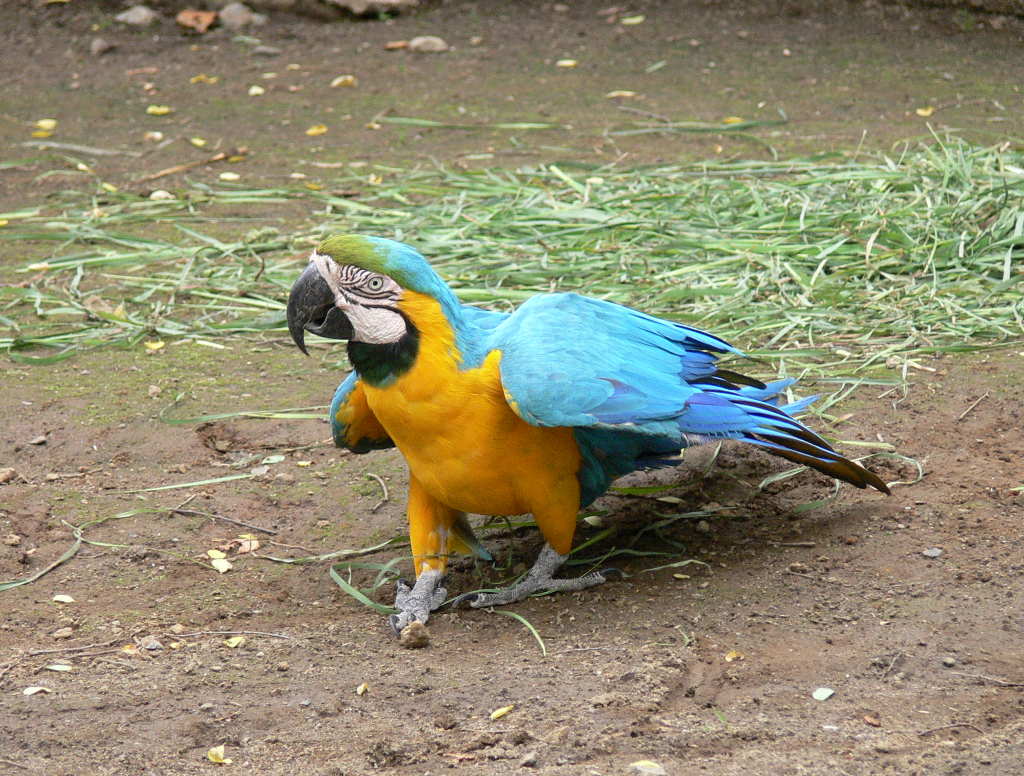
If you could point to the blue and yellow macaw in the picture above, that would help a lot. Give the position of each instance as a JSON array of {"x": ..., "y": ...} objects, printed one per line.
[{"x": 535, "y": 411}]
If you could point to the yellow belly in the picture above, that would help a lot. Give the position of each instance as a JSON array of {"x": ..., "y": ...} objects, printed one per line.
[{"x": 466, "y": 445}]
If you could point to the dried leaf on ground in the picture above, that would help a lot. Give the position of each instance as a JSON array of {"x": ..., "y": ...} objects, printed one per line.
[{"x": 200, "y": 21}]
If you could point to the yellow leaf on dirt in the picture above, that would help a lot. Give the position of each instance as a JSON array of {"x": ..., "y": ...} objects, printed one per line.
[
  {"x": 247, "y": 536},
  {"x": 499, "y": 713},
  {"x": 110, "y": 187},
  {"x": 256, "y": 90},
  {"x": 222, "y": 565},
  {"x": 313, "y": 186},
  {"x": 4, "y": 222},
  {"x": 229, "y": 176},
  {"x": 203, "y": 78},
  {"x": 362, "y": 689},
  {"x": 154, "y": 345},
  {"x": 316, "y": 129},
  {"x": 620, "y": 93},
  {"x": 234, "y": 642},
  {"x": 345, "y": 80},
  {"x": 35, "y": 690},
  {"x": 732, "y": 655},
  {"x": 216, "y": 554},
  {"x": 200, "y": 21},
  {"x": 63, "y": 598},
  {"x": 926, "y": 111},
  {"x": 216, "y": 755},
  {"x": 47, "y": 124},
  {"x": 566, "y": 63},
  {"x": 41, "y": 133},
  {"x": 303, "y": 464},
  {"x": 198, "y": 142},
  {"x": 158, "y": 110},
  {"x": 631, "y": 21},
  {"x": 130, "y": 649},
  {"x": 733, "y": 120},
  {"x": 153, "y": 137},
  {"x": 59, "y": 667},
  {"x": 374, "y": 180}
]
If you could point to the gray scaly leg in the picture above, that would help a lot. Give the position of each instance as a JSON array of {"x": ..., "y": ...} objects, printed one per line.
[{"x": 418, "y": 601}]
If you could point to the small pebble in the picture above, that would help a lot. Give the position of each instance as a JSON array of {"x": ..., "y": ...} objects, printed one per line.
[
  {"x": 282, "y": 666},
  {"x": 138, "y": 16},
  {"x": 12, "y": 540},
  {"x": 63, "y": 633},
  {"x": 529, "y": 760},
  {"x": 798, "y": 568},
  {"x": 177, "y": 628},
  {"x": 949, "y": 662},
  {"x": 932, "y": 552},
  {"x": 38, "y": 440},
  {"x": 414, "y": 635},
  {"x": 647, "y": 768},
  {"x": 205, "y": 706},
  {"x": 100, "y": 46},
  {"x": 150, "y": 642}
]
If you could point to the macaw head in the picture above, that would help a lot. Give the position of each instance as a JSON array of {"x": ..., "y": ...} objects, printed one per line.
[{"x": 352, "y": 287}]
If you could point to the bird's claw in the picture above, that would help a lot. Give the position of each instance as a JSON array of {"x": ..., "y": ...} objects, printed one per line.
[
  {"x": 466, "y": 599},
  {"x": 416, "y": 602}
]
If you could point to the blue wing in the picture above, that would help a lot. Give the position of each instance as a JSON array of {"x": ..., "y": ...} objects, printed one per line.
[
  {"x": 638, "y": 388},
  {"x": 353, "y": 424}
]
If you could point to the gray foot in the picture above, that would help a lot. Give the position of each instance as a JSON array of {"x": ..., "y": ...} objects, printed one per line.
[
  {"x": 537, "y": 579},
  {"x": 417, "y": 602}
]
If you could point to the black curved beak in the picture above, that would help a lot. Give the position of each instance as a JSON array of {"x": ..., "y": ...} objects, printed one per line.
[{"x": 311, "y": 308}]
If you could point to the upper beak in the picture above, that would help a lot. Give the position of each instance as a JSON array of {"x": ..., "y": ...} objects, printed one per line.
[{"x": 311, "y": 308}]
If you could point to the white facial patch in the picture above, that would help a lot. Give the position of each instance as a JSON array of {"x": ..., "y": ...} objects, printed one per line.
[
  {"x": 375, "y": 325},
  {"x": 369, "y": 300}
]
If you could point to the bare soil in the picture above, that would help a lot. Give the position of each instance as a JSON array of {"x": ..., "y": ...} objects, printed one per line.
[{"x": 701, "y": 668}]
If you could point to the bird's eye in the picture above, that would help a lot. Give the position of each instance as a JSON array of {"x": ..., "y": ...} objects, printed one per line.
[{"x": 375, "y": 283}]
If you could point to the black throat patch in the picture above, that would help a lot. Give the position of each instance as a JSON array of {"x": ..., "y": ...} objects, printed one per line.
[{"x": 380, "y": 365}]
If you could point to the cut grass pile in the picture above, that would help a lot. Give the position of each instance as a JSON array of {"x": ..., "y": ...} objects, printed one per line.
[{"x": 832, "y": 263}]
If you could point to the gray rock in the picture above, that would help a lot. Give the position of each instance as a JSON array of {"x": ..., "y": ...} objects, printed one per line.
[
  {"x": 364, "y": 7},
  {"x": 138, "y": 16},
  {"x": 235, "y": 16},
  {"x": 98, "y": 47}
]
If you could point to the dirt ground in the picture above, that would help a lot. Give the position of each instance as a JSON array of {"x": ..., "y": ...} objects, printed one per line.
[{"x": 700, "y": 669}]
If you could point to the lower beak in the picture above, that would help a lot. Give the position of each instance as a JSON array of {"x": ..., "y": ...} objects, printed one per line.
[{"x": 311, "y": 308}]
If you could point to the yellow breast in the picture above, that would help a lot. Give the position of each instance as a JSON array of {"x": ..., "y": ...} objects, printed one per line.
[{"x": 459, "y": 435}]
